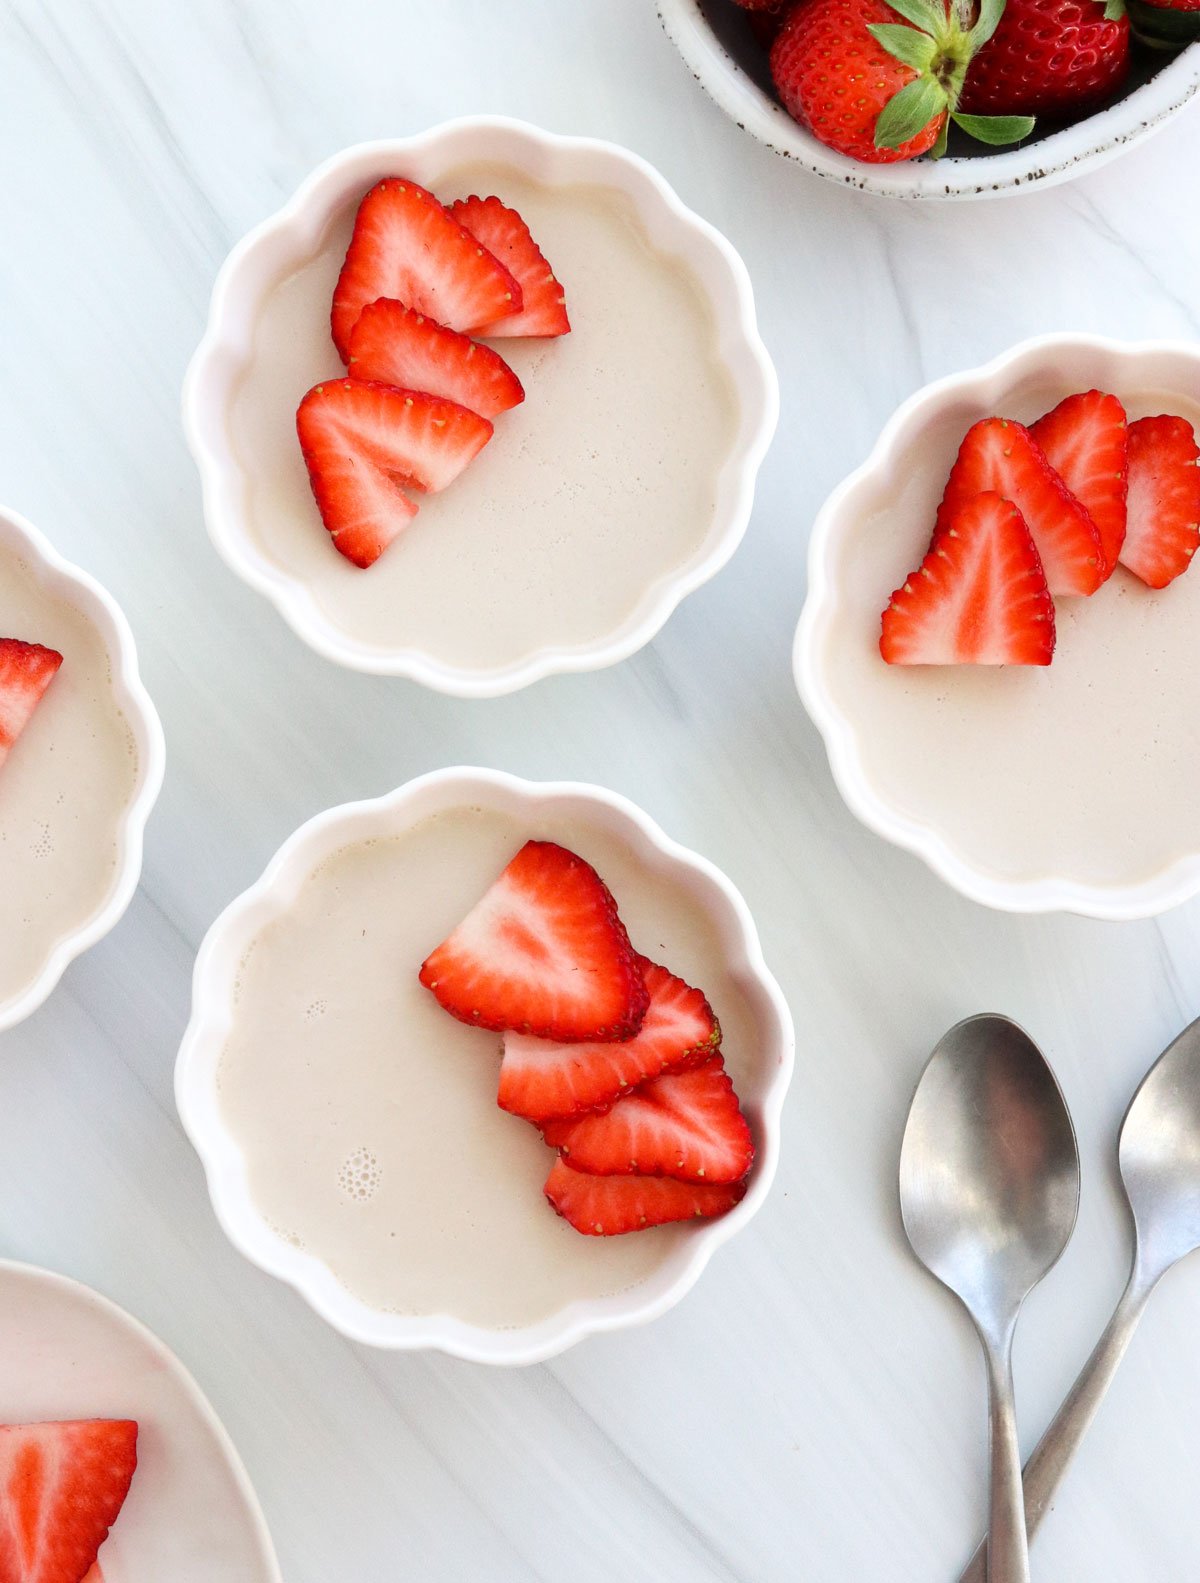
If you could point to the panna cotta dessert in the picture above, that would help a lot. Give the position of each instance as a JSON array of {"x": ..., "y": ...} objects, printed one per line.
[
  {"x": 1073, "y": 754},
  {"x": 366, "y": 1108},
  {"x": 577, "y": 502},
  {"x": 66, "y": 782}
]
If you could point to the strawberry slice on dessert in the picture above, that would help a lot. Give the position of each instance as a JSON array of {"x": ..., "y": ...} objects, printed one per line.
[
  {"x": 406, "y": 245},
  {"x": 688, "y": 1125},
  {"x": 365, "y": 444},
  {"x": 26, "y": 670},
  {"x": 978, "y": 598},
  {"x": 503, "y": 232},
  {"x": 609, "y": 1206},
  {"x": 61, "y": 1488},
  {"x": 544, "y": 953},
  {"x": 1002, "y": 456},
  {"x": 541, "y": 1079},
  {"x": 395, "y": 345},
  {"x": 1085, "y": 440},
  {"x": 1164, "y": 500}
]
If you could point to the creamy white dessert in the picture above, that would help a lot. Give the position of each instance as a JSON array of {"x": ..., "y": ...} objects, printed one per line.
[
  {"x": 1087, "y": 768},
  {"x": 367, "y": 1115},
  {"x": 64, "y": 787},
  {"x": 599, "y": 486}
]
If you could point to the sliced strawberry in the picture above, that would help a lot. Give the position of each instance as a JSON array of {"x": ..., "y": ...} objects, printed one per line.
[
  {"x": 395, "y": 345},
  {"x": 1164, "y": 500},
  {"x": 540, "y": 1079},
  {"x": 683, "y": 1124},
  {"x": 503, "y": 232},
  {"x": 609, "y": 1206},
  {"x": 978, "y": 598},
  {"x": 26, "y": 670},
  {"x": 406, "y": 245},
  {"x": 1085, "y": 441},
  {"x": 365, "y": 444},
  {"x": 1000, "y": 455},
  {"x": 61, "y": 1487},
  {"x": 544, "y": 953}
]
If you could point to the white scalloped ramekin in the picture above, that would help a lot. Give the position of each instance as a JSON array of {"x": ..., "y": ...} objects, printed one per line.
[
  {"x": 762, "y": 1092},
  {"x": 285, "y": 241},
  {"x": 1068, "y": 362},
  {"x": 83, "y": 593},
  {"x": 718, "y": 60}
]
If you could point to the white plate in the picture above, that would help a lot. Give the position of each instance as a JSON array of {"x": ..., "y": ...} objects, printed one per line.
[{"x": 191, "y": 1515}]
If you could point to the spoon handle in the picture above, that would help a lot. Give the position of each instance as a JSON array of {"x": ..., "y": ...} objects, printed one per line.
[
  {"x": 1058, "y": 1445},
  {"x": 1007, "y": 1550}
]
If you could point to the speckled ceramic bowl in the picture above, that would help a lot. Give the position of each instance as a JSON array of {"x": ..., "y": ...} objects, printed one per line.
[{"x": 715, "y": 42}]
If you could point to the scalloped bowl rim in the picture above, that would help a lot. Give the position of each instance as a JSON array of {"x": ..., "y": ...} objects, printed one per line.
[
  {"x": 1060, "y": 156},
  {"x": 210, "y": 384},
  {"x": 224, "y": 1164},
  {"x": 1176, "y": 882},
  {"x": 82, "y": 592}
]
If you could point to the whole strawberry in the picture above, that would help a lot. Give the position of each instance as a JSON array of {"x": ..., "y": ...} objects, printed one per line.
[
  {"x": 874, "y": 88},
  {"x": 1058, "y": 58}
]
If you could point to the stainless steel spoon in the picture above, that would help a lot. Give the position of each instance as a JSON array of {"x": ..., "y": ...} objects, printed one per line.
[
  {"x": 989, "y": 1191},
  {"x": 1160, "y": 1167}
]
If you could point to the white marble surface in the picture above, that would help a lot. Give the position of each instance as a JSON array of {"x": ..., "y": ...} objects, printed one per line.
[{"x": 814, "y": 1409}]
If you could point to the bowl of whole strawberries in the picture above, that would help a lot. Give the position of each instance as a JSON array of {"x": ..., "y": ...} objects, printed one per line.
[
  {"x": 972, "y": 99},
  {"x": 998, "y": 641}
]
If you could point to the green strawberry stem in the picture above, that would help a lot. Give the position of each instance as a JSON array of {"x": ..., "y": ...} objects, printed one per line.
[{"x": 939, "y": 46}]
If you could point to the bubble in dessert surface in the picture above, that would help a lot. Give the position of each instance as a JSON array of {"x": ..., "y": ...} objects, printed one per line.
[
  {"x": 43, "y": 843},
  {"x": 360, "y": 1175}
]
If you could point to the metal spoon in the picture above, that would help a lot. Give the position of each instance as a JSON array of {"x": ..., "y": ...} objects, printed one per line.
[
  {"x": 1160, "y": 1167},
  {"x": 989, "y": 1190}
]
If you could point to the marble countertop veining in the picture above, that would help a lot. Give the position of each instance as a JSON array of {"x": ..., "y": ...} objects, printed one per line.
[{"x": 814, "y": 1409}]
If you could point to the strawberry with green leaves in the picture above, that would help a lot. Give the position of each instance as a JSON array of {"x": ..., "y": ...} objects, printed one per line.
[{"x": 883, "y": 82}]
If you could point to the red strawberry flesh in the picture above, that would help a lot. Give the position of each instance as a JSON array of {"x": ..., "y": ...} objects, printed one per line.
[
  {"x": 540, "y": 1079},
  {"x": 684, "y": 1124},
  {"x": 1002, "y": 456},
  {"x": 26, "y": 670},
  {"x": 610, "y": 1206},
  {"x": 544, "y": 952},
  {"x": 365, "y": 444},
  {"x": 503, "y": 232},
  {"x": 978, "y": 598},
  {"x": 1085, "y": 440},
  {"x": 395, "y": 345},
  {"x": 1164, "y": 500},
  {"x": 61, "y": 1488},
  {"x": 406, "y": 246},
  {"x": 1049, "y": 58}
]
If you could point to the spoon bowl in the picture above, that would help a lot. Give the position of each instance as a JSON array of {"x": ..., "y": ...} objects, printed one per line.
[
  {"x": 989, "y": 1171},
  {"x": 989, "y": 1192},
  {"x": 1160, "y": 1155}
]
